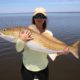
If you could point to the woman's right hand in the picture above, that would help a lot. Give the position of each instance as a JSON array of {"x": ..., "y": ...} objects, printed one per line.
[{"x": 25, "y": 35}]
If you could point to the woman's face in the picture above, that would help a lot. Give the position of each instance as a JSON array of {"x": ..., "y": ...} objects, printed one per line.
[{"x": 39, "y": 21}]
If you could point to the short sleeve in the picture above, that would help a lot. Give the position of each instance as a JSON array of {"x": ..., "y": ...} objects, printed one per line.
[
  {"x": 19, "y": 45},
  {"x": 49, "y": 32}
]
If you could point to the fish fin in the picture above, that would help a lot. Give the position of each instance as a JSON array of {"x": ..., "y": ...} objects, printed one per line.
[
  {"x": 76, "y": 49},
  {"x": 76, "y": 43}
]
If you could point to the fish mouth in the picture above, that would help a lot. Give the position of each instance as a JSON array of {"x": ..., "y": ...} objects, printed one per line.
[{"x": 1, "y": 33}]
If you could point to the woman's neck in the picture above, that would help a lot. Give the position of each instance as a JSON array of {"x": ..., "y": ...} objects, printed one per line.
[{"x": 40, "y": 28}]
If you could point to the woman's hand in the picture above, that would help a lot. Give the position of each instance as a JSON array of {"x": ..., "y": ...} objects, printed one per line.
[
  {"x": 25, "y": 35},
  {"x": 66, "y": 50}
]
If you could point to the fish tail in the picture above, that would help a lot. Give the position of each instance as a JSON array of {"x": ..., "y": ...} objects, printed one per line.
[{"x": 75, "y": 49}]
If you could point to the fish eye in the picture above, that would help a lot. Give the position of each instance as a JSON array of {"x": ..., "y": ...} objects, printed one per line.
[{"x": 4, "y": 29}]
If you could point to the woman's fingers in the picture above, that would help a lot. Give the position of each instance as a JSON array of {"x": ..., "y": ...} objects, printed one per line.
[
  {"x": 66, "y": 50},
  {"x": 29, "y": 38},
  {"x": 28, "y": 32},
  {"x": 25, "y": 35}
]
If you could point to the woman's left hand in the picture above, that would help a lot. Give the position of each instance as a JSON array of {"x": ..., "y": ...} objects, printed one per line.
[{"x": 66, "y": 50}]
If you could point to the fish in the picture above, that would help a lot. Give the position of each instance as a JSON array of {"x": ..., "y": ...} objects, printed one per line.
[{"x": 41, "y": 42}]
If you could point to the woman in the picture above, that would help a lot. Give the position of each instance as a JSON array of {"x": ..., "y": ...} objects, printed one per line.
[{"x": 35, "y": 64}]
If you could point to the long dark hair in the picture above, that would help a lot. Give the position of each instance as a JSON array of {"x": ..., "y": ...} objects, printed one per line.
[{"x": 40, "y": 15}]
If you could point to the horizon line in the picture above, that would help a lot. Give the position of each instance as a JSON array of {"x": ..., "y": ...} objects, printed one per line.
[{"x": 46, "y": 12}]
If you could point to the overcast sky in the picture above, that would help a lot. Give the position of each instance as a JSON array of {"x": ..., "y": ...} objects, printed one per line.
[{"x": 20, "y": 6}]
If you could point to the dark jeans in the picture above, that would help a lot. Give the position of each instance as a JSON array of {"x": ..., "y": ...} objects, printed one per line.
[{"x": 29, "y": 75}]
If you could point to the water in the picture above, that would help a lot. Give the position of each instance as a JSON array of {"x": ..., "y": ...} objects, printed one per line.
[{"x": 65, "y": 26}]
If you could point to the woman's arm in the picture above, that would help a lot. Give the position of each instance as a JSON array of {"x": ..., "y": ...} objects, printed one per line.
[
  {"x": 20, "y": 45},
  {"x": 24, "y": 36},
  {"x": 49, "y": 34}
]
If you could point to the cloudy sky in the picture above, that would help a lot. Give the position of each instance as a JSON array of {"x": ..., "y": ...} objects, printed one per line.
[{"x": 20, "y": 6}]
